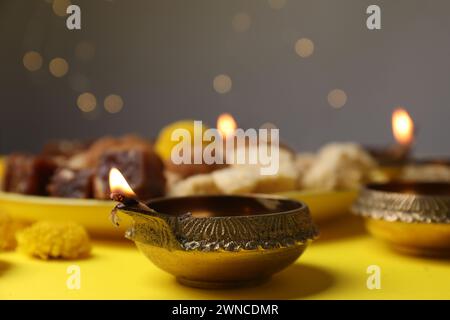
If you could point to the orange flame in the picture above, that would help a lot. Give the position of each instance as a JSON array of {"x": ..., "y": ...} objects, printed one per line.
[
  {"x": 118, "y": 184},
  {"x": 226, "y": 124},
  {"x": 402, "y": 126}
]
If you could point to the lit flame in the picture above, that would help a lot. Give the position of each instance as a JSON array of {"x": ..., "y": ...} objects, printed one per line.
[
  {"x": 402, "y": 126},
  {"x": 118, "y": 184},
  {"x": 226, "y": 124}
]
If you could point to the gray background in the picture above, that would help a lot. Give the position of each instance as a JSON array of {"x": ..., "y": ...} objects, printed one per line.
[{"x": 162, "y": 55}]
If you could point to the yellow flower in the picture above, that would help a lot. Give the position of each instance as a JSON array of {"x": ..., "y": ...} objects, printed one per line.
[
  {"x": 8, "y": 229},
  {"x": 46, "y": 239}
]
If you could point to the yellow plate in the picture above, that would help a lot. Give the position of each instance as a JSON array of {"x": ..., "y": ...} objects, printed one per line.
[
  {"x": 92, "y": 214},
  {"x": 324, "y": 205}
]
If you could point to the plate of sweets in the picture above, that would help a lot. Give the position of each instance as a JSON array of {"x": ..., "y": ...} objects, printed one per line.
[{"x": 68, "y": 180}]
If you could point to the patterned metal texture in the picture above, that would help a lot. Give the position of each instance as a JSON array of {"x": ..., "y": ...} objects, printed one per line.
[
  {"x": 230, "y": 233},
  {"x": 409, "y": 207}
]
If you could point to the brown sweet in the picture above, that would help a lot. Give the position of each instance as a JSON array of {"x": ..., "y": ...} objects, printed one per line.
[
  {"x": 27, "y": 174},
  {"x": 141, "y": 167},
  {"x": 91, "y": 157},
  {"x": 70, "y": 183},
  {"x": 185, "y": 170}
]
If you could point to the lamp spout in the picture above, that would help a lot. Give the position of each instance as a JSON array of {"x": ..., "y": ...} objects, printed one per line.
[{"x": 151, "y": 227}]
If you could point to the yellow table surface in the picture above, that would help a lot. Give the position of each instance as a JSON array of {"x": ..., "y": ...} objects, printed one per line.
[{"x": 334, "y": 267}]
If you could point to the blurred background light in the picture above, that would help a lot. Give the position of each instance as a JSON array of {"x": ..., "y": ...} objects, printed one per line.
[
  {"x": 58, "y": 67},
  {"x": 113, "y": 103},
  {"x": 222, "y": 83},
  {"x": 337, "y": 98},
  {"x": 304, "y": 47},
  {"x": 87, "y": 102},
  {"x": 32, "y": 60},
  {"x": 60, "y": 6}
]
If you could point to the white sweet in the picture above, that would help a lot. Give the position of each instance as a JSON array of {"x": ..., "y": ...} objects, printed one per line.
[
  {"x": 235, "y": 180},
  {"x": 339, "y": 166},
  {"x": 200, "y": 184}
]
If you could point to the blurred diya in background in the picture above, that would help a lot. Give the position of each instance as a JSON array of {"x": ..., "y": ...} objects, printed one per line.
[
  {"x": 413, "y": 217},
  {"x": 189, "y": 148},
  {"x": 392, "y": 159},
  {"x": 396, "y": 162},
  {"x": 216, "y": 241}
]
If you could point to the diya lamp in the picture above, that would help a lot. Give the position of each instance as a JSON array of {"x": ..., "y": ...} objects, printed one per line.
[
  {"x": 413, "y": 217},
  {"x": 393, "y": 158},
  {"x": 227, "y": 126},
  {"x": 216, "y": 241}
]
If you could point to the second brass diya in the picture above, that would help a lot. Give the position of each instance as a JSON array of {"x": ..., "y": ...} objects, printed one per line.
[
  {"x": 221, "y": 241},
  {"x": 413, "y": 217}
]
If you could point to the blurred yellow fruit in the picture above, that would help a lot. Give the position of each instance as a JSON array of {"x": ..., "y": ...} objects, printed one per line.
[
  {"x": 164, "y": 143},
  {"x": 2, "y": 166}
]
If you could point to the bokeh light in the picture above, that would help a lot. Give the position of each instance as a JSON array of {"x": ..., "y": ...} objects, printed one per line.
[
  {"x": 60, "y": 7},
  {"x": 32, "y": 60},
  {"x": 87, "y": 102},
  {"x": 113, "y": 103},
  {"x": 58, "y": 67},
  {"x": 337, "y": 98},
  {"x": 304, "y": 47},
  {"x": 268, "y": 126},
  {"x": 222, "y": 83}
]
